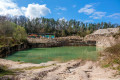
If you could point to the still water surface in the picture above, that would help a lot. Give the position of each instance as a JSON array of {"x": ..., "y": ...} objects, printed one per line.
[{"x": 39, "y": 55}]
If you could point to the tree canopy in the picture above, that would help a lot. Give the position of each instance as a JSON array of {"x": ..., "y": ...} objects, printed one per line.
[{"x": 59, "y": 27}]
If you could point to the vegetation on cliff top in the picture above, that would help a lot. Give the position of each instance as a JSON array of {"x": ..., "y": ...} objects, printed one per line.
[
  {"x": 10, "y": 33},
  {"x": 13, "y": 30}
]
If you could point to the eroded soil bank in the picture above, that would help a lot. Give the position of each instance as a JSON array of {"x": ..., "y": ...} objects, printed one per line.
[{"x": 72, "y": 70}]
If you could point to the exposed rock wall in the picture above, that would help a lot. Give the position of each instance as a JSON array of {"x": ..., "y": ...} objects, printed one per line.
[
  {"x": 104, "y": 37},
  {"x": 62, "y": 41},
  {"x": 5, "y": 51},
  {"x": 102, "y": 41},
  {"x": 107, "y": 31}
]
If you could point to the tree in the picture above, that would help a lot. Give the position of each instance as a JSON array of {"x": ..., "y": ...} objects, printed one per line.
[
  {"x": 45, "y": 25},
  {"x": 63, "y": 33},
  {"x": 19, "y": 34}
]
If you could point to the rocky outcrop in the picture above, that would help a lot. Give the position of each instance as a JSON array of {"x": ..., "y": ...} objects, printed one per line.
[
  {"x": 104, "y": 37},
  {"x": 61, "y": 41},
  {"x": 102, "y": 40},
  {"x": 5, "y": 51},
  {"x": 107, "y": 31}
]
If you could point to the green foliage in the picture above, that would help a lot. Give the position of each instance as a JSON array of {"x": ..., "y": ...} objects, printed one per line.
[
  {"x": 19, "y": 34},
  {"x": 106, "y": 65},
  {"x": 7, "y": 41},
  {"x": 6, "y": 28},
  {"x": 4, "y": 71},
  {"x": 10, "y": 33},
  {"x": 63, "y": 33},
  {"x": 59, "y": 27}
]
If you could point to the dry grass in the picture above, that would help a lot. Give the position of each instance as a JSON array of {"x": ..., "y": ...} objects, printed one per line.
[
  {"x": 4, "y": 71},
  {"x": 112, "y": 57},
  {"x": 115, "y": 50},
  {"x": 30, "y": 68}
]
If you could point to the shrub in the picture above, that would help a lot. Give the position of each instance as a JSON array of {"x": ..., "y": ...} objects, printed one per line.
[
  {"x": 113, "y": 56},
  {"x": 19, "y": 34},
  {"x": 115, "y": 49}
]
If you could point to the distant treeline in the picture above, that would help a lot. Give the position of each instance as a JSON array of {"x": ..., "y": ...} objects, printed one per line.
[
  {"x": 14, "y": 29},
  {"x": 58, "y": 27}
]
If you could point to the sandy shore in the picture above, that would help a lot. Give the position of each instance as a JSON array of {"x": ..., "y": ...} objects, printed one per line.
[{"x": 72, "y": 70}]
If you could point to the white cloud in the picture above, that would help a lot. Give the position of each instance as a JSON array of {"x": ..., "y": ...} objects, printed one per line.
[
  {"x": 32, "y": 11},
  {"x": 88, "y": 9},
  {"x": 88, "y": 21},
  {"x": 61, "y": 8},
  {"x": 7, "y": 4},
  {"x": 59, "y": 13},
  {"x": 98, "y": 15},
  {"x": 36, "y": 10},
  {"x": 74, "y": 6},
  {"x": 62, "y": 19},
  {"x": 9, "y": 7},
  {"x": 115, "y": 15}
]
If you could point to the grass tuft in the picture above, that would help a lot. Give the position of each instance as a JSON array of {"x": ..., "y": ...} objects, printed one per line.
[
  {"x": 112, "y": 57},
  {"x": 5, "y": 71}
]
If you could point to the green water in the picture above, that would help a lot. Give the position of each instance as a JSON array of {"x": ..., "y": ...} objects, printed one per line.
[{"x": 38, "y": 55}]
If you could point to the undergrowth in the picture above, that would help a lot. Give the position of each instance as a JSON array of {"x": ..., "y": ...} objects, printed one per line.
[{"x": 112, "y": 57}]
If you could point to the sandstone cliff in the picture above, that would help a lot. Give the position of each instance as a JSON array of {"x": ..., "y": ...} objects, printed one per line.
[{"x": 104, "y": 37}]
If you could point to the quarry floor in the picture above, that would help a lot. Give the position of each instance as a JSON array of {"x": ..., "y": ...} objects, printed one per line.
[{"x": 71, "y": 70}]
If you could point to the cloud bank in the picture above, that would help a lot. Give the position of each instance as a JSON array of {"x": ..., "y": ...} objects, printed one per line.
[
  {"x": 8, "y": 7},
  {"x": 115, "y": 16},
  {"x": 98, "y": 15},
  {"x": 89, "y": 10},
  {"x": 36, "y": 10},
  {"x": 61, "y": 8}
]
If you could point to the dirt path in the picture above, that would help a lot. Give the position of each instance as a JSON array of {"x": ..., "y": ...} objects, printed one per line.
[{"x": 72, "y": 70}]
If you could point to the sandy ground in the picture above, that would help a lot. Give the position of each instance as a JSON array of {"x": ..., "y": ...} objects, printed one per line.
[{"x": 72, "y": 70}]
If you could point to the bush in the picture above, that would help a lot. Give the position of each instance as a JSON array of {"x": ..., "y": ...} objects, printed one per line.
[
  {"x": 115, "y": 49},
  {"x": 20, "y": 34},
  {"x": 11, "y": 34},
  {"x": 113, "y": 56}
]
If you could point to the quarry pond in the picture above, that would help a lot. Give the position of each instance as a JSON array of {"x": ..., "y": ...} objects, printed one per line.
[{"x": 62, "y": 54}]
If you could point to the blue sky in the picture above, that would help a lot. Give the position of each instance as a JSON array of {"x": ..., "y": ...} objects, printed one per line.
[{"x": 83, "y": 10}]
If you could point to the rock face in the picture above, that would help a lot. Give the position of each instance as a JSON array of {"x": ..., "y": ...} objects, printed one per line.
[
  {"x": 102, "y": 40},
  {"x": 107, "y": 31},
  {"x": 104, "y": 37},
  {"x": 61, "y": 41},
  {"x": 5, "y": 51}
]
